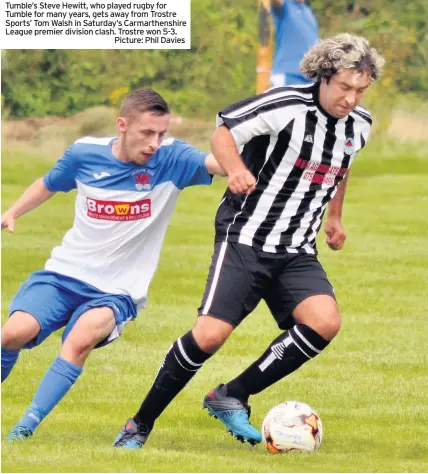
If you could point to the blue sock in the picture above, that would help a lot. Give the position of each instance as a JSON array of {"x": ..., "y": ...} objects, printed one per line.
[
  {"x": 57, "y": 381},
  {"x": 8, "y": 361}
]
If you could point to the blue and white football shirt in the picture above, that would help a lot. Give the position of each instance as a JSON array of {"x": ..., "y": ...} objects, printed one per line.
[{"x": 122, "y": 211}]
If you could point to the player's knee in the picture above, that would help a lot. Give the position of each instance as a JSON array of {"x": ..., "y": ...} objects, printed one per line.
[
  {"x": 211, "y": 342},
  {"x": 210, "y": 333},
  {"x": 14, "y": 337},
  {"x": 319, "y": 312},
  {"x": 326, "y": 324},
  {"x": 332, "y": 324},
  {"x": 79, "y": 346},
  {"x": 91, "y": 328},
  {"x": 10, "y": 339}
]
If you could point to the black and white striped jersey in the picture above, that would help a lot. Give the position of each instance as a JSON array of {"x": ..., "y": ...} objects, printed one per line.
[{"x": 299, "y": 154}]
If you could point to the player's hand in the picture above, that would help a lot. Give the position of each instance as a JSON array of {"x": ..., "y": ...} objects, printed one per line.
[
  {"x": 242, "y": 181},
  {"x": 335, "y": 234},
  {"x": 8, "y": 222}
]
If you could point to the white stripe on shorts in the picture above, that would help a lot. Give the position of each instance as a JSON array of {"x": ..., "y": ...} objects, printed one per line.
[{"x": 215, "y": 279}]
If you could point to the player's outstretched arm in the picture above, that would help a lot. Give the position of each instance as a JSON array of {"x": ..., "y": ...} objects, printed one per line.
[
  {"x": 241, "y": 180},
  {"x": 213, "y": 167},
  {"x": 34, "y": 195},
  {"x": 335, "y": 233}
]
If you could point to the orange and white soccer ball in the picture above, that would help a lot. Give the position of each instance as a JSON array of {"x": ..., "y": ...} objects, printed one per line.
[{"x": 292, "y": 426}]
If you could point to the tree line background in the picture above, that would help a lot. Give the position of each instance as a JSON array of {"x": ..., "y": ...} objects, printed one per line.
[{"x": 220, "y": 66}]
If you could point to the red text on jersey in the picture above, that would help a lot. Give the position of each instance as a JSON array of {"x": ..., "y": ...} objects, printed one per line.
[{"x": 118, "y": 210}]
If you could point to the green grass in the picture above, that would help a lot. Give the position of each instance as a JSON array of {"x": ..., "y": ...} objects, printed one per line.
[{"x": 369, "y": 387}]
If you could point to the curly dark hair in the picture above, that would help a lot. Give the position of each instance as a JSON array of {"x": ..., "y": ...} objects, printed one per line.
[{"x": 343, "y": 50}]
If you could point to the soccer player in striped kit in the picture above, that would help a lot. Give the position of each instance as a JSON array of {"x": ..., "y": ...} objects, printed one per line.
[
  {"x": 96, "y": 280},
  {"x": 287, "y": 154}
]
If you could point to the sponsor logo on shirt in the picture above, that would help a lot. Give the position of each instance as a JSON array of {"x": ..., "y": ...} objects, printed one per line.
[
  {"x": 118, "y": 210},
  {"x": 320, "y": 173}
]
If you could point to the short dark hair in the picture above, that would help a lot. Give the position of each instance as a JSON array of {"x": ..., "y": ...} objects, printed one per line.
[{"x": 144, "y": 100}]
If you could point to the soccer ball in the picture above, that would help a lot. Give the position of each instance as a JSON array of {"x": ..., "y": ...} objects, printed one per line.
[{"x": 292, "y": 426}]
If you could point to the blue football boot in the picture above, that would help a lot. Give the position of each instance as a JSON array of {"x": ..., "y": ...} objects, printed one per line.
[
  {"x": 19, "y": 433},
  {"x": 132, "y": 436},
  {"x": 234, "y": 414}
]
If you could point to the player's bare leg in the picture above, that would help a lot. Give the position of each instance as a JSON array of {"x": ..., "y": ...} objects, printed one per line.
[
  {"x": 19, "y": 329},
  {"x": 91, "y": 328},
  {"x": 211, "y": 333},
  {"x": 319, "y": 312}
]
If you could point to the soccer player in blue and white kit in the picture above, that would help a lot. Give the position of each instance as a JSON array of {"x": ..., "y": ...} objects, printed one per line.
[{"x": 96, "y": 280}]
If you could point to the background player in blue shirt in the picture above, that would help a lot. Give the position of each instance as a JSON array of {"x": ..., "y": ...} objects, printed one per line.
[
  {"x": 95, "y": 281},
  {"x": 296, "y": 31}
]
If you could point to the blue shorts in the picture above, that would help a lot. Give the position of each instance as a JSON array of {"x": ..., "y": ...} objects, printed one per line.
[{"x": 57, "y": 300}]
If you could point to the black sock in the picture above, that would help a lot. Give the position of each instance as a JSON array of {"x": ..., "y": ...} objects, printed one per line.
[
  {"x": 181, "y": 363},
  {"x": 285, "y": 354}
]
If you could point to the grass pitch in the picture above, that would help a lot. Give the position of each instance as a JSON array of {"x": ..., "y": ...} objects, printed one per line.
[{"x": 369, "y": 387}]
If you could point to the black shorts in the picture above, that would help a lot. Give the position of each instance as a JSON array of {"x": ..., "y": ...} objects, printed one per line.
[{"x": 240, "y": 276}]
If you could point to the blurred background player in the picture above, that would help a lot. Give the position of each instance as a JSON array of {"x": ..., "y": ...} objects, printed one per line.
[
  {"x": 98, "y": 278},
  {"x": 296, "y": 31}
]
